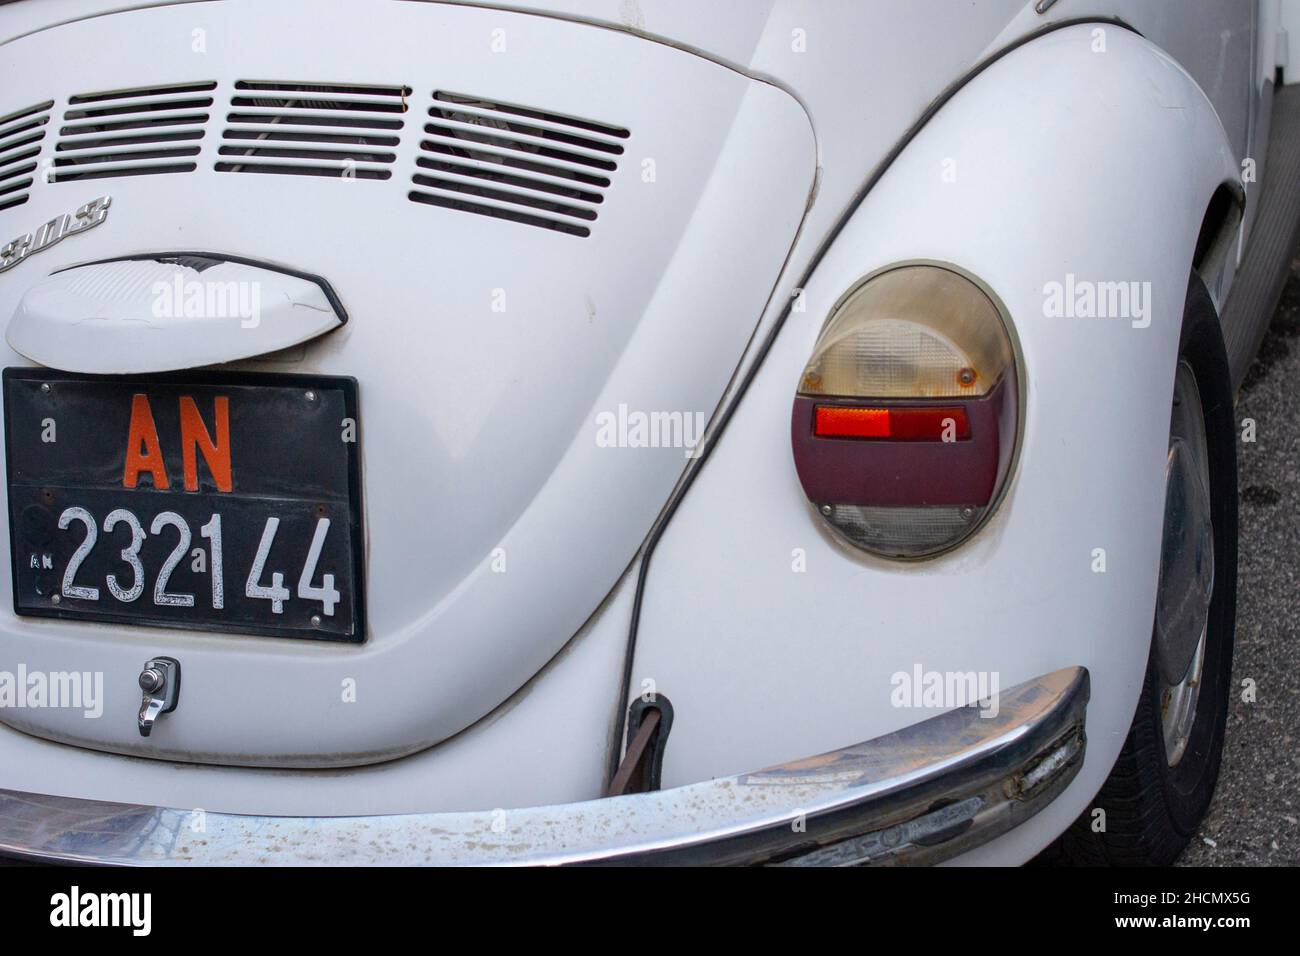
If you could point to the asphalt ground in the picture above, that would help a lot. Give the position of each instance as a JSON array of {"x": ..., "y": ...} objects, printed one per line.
[{"x": 1255, "y": 817}]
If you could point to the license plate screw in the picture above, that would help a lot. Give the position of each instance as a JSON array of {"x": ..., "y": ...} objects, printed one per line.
[
  {"x": 311, "y": 396},
  {"x": 315, "y": 620},
  {"x": 45, "y": 387},
  {"x": 55, "y": 599}
]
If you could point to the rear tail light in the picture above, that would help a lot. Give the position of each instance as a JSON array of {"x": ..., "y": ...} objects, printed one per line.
[{"x": 906, "y": 416}]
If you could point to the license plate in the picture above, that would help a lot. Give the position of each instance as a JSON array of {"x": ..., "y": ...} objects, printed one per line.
[{"x": 207, "y": 501}]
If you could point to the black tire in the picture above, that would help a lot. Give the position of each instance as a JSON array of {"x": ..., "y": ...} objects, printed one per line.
[{"x": 1151, "y": 809}]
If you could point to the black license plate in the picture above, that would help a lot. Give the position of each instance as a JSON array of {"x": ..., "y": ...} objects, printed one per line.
[{"x": 208, "y": 501}]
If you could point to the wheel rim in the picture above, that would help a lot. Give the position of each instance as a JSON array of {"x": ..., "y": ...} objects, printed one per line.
[{"x": 1186, "y": 567}]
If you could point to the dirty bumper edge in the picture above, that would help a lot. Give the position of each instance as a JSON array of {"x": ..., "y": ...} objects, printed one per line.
[{"x": 920, "y": 795}]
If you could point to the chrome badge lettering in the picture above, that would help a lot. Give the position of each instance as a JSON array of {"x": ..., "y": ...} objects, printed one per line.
[{"x": 56, "y": 230}]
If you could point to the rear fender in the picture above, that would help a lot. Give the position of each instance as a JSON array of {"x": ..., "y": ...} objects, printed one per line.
[{"x": 1084, "y": 156}]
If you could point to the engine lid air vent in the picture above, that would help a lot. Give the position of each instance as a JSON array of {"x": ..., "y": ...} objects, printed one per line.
[
  {"x": 519, "y": 163},
  {"x": 313, "y": 129},
  {"x": 20, "y": 143},
  {"x": 132, "y": 132}
]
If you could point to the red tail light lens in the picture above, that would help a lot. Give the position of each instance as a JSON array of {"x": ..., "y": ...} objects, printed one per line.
[
  {"x": 906, "y": 418},
  {"x": 946, "y": 423}
]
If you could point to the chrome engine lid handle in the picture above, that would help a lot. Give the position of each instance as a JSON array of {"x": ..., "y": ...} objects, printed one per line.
[{"x": 161, "y": 682}]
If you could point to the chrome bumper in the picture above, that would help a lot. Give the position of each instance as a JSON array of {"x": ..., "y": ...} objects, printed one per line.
[{"x": 923, "y": 794}]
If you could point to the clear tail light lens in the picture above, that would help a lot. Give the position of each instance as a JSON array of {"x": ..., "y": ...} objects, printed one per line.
[{"x": 906, "y": 417}]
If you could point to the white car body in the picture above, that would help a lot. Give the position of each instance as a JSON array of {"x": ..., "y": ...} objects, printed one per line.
[{"x": 524, "y": 583}]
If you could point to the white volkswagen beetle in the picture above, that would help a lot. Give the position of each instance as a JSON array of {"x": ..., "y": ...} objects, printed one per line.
[{"x": 602, "y": 431}]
